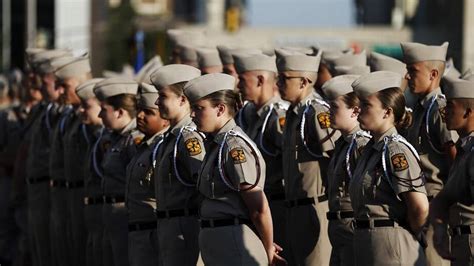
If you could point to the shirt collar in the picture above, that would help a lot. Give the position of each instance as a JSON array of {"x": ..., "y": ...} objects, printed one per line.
[
  {"x": 378, "y": 145},
  {"x": 467, "y": 142},
  {"x": 151, "y": 140},
  {"x": 228, "y": 126},
  {"x": 348, "y": 137},
  {"x": 425, "y": 102},
  {"x": 264, "y": 109},
  {"x": 129, "y": 127},
  {"x": 182, "y": 123}
]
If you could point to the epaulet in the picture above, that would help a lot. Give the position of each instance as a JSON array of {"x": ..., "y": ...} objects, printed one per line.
[
  {"x": 317, "y": 103},
  {"x": 281, "y": 105}
]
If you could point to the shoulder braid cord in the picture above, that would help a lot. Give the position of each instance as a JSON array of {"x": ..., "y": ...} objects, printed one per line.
[
  {"x": 404, "y": 182},
  {"x": 241, "y": 116},
  {"x": 220, "y": 161},
  {"x": 303, "y": 125},
  {"x": 427, "y": 119},
  {"x": 360, "y": 133},
  {"x": 94, "y": 154},
  {"x": 47, "y": 118},
  {"x": 175, "y": 154},
  {"x": 84, "y": 134},
  {"x": 64, "y": 118},
  {"x": 262, "y": 132},
  {"x": 155, "y": 151}
]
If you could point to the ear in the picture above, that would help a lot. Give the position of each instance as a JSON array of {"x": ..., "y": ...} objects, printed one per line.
[
  {"x": 303, "y": 83},
  {"x": 120, "y": 112},
  {"x": 434, "y": 74},
  {"x": 221, "y": 109},
  {"x": 387, "y": 112},
  {"x": 468, "y": 112},
  {"x": 355, "y": 111},
  {"x": 182, "y": 100},
  {"x": 260, "y": 80}
]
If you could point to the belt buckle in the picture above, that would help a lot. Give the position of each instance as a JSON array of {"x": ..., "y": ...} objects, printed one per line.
[
  {"x": 51, "y": 183},
  {"x": 104, "y": 199},
  {"x": 68, "y": 184},
  {"x": 211, "y": 223},
  {"x": 86, "y": 201},
  {"x": 338, "y": 215}
]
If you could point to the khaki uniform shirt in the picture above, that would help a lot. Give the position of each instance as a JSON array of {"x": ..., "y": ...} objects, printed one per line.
[
  {"x": 39, "y": 138},
  {"x": 56, "y": 156},
  {"x": 270, "y": 142},
  {"x": 430, "y": 147},
  {"x": 140, "y": 190},
  {"x": 119, "y": 150},
  {"x": 77, "y": 139},
  {"x": 240, "y": 166},
  {"x": 93, "y": 171},
  {"x": 338, "y": 177},
  {"x": 12, "y": 121},
  {"x": 458, "y": 189},
  {"x": 372, "y": 194},
  {"x": 171, "y": 193},
  {"x": 304, "y": 174}
]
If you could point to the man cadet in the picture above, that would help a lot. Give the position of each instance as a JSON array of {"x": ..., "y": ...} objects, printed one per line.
[
  {"x": 454, "y": 203},
  {"x": 265, "y": 118},
  {"x": 70, "y": 72},
  {"x": 12, "y": 121},
  {"x": 226, "y": 54},
  {"x": 180, "y": 40},
  {"x": 92, "y": 193},
  {"x": 140, "y": 188},
  {"x": 209, "y": 61},
  {"x": 428, "y": 133},
  {"x": 307, "y": 142},
  {"x": 380, "y": 62},
  {"x": 37, "y": 173}
]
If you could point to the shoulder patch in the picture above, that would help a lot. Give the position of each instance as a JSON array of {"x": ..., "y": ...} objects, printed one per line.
[
  {"x": 323, "y": 119},
  {"x": 442, "y": 113},
  {"x": 238, "y": 155},
  {"x": 399, "y": 162},
  {"x": 193, "y": 146}
]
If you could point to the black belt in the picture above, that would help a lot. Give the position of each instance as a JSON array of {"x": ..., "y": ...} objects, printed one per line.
[
  {"x": 141, "y": 226},
  {"x": 37, "y": 180},
  {"x": 74, "y": 184},
  {"x": 305, "y": 201},
  {"x": 276, "y": 196},
  {"x": 339, "y": 215},
  {"x": 224, "y": 222},
  {"x": 462, "y": 230},
  {"x": 57, "y": 183},
  {"x": 113, "y": 199},
  {"x": 176, "y": 213},
  {"x": 367, "y": 224},
  {"x": 93, "y": 200}
]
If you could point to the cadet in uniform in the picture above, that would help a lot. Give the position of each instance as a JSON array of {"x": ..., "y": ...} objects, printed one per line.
[
  {"x": 12, "y": 121},
  {"x": 177, "y": 160},
  {"x": 140, "y": 190},
  {"x": 387, "y": 186},
  {"x": 428, "y": 133},
  {"x": 75, "y": 138},
  {"x": 118, "y": 111},
  {"x": 37, "y": 173},
  {"x": 264, "y": 118},
  {"x": 92, "y": 173},
  {"x": 209, "y": 60},
  {"x": 454, "y": 203},
  {"x": 69, "y": 73},
  {"x": 344, "y": 111},
  {"x": 236, "y": 225},
  {"x": 305, "y": 162}
]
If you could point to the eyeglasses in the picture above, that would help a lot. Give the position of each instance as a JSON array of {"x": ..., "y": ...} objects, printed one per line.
[{"x": 283, "y": 78}]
